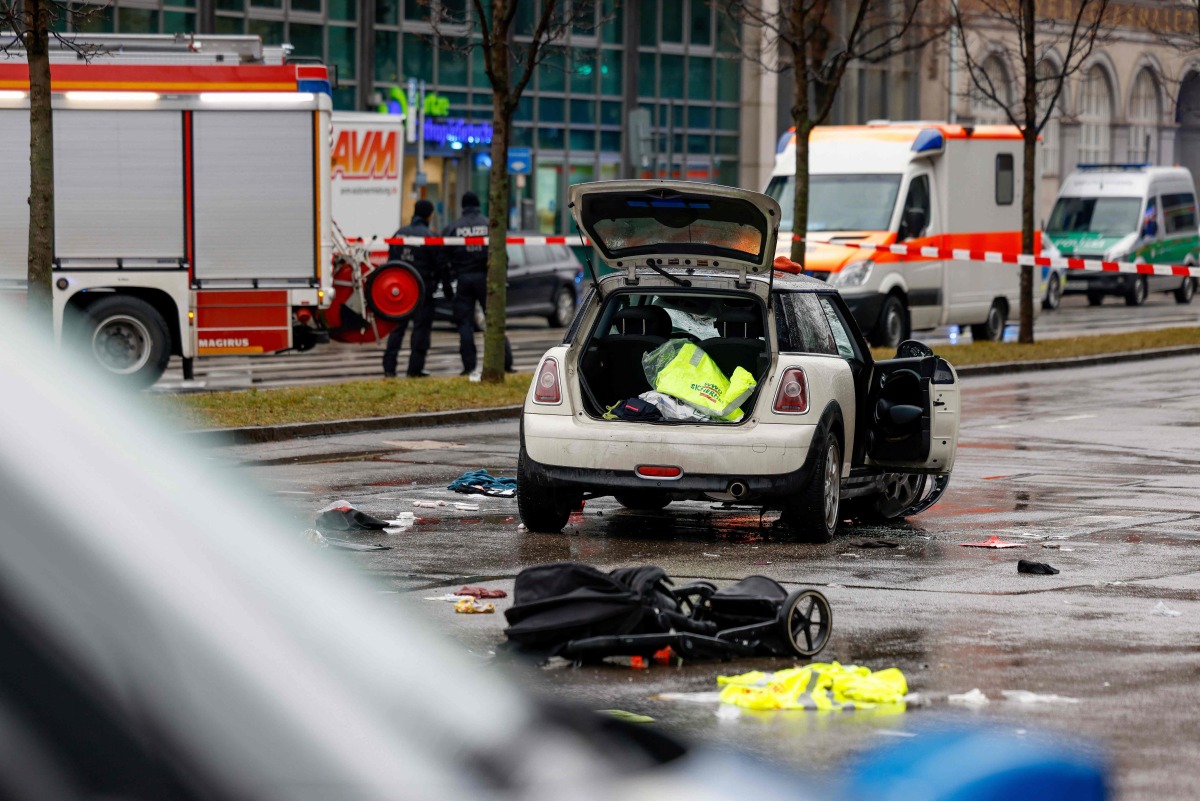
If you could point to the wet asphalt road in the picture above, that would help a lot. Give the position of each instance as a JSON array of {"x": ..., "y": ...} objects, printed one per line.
[{"x": 1099, "y": 464}]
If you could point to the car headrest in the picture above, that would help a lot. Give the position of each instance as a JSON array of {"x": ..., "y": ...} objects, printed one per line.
[
  {"x": 740, "y": 324},
  {"x": 643, "y": 321}
]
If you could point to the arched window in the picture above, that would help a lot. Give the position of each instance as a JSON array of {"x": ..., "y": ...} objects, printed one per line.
[
  {"x": 1046, "y": 71},
  {"x": 1145, "y": 111},
  {"x": 995, "y": 77},
  {"x": 1095, "y": 116}
]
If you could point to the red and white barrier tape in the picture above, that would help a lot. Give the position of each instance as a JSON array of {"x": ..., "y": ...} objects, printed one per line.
[
  {"x": 430, "y": 241},
  {"x": 962, "y": 254}
]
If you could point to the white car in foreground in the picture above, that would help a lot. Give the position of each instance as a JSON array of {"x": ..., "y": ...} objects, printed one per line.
[{"x": 825, "y": 423}]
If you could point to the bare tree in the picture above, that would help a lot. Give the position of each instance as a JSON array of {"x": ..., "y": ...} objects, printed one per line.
[
  {"x": 1030, "y": 108},
  {"x": 509, "y": 58},
  {"x": 816, "y": 40},
  {"x": 31, "y": 24}
]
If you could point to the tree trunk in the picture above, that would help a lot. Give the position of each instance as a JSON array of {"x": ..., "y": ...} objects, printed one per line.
[
  {"x": 41, "y": 164},
  {"x": 800, "y": 118},
  {"x": 497, "y": 274},
  {"x": 1028, "y": 175}
]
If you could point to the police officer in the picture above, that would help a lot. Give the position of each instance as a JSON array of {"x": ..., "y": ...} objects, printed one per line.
[
  {"x": 425, "y": 261},
  {"x": 468, "y": 263}
]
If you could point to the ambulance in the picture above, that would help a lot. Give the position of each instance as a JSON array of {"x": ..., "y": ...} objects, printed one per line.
[
  {"x": 923, "y": 184},
  {"x": 192, "y": 199}
]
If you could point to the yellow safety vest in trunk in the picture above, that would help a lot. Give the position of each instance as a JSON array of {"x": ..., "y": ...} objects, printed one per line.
[{"x": 681, "y": 369}]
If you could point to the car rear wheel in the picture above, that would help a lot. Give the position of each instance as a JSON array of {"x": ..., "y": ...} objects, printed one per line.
[
  {"x": 892, "y": 328},
  {"x": 643, "y": 501},
  {"x": 992, "y": 329},
  {"x": 1186, "y": 291},
  {"x": 812, "y": 516},
  {"x": 1137, "y": 292},
  {"x": 540, "y": 507},
  {"x": 1054, "y": 292},
  {"x": 564, "y": 308}
]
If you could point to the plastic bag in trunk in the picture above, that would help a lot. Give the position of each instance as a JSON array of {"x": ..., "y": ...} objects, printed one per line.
[{"x": 683, "y": 370}]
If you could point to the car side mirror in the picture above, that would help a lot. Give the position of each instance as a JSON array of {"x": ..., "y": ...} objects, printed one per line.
[{"x": 914, "y": 223}]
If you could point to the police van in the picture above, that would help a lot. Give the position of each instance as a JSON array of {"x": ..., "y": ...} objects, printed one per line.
[
  {"x": 922, "y": 184},
  {"x": 1126, "y": 212}
]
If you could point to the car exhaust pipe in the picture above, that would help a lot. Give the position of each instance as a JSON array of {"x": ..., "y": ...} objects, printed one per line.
[{"x": 738, "y": 489}]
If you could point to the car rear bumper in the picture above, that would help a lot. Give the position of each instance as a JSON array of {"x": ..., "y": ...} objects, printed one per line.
[{"x": 770, "y": 459}]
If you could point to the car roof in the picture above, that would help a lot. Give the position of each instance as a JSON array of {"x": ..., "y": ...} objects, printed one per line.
[{"x": 794, "y": 282}]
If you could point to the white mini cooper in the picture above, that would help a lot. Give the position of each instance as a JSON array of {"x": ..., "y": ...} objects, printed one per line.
[{"x": 826, "y": 434}]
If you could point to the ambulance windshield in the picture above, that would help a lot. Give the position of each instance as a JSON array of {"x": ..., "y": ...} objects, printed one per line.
[{"x": 839, "y": 202}]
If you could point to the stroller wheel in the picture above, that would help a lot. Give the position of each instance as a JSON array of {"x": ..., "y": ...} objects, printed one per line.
[{"x": 807, "y": 621}]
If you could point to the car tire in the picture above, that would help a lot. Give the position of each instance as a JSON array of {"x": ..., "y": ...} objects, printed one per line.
[
  {"x": 564, "y": 308},
  {"x": 901, "y": 491},
  {"x": 1186, "y": 291},
  {"x": 1137, "y": 292},
  {"x": 812, "y": 515},
  {"x": 1095, "y": 298},
  {"x": 892, "y": 327},
  {"x": 1054, "y": 293},
  {"x": 540, "y": 507},
  {"x": 992, "y": 329},
  {"x": 127, "y": 338},
  {"x": 643, "y": 501}
]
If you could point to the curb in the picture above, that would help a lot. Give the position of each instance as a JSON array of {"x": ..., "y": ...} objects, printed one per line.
[{"x": 255, "y": 435}]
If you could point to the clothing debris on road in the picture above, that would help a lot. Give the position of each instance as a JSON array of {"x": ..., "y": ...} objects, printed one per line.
[
  {"x": 971, "y": 698},
  {"x": 992, "y": 542},
  {"x": 481, "y": 592},
  {"x": 1162, "y": 609},
  {"x": 469, "y": 606},
  {"x": 875, "y": 544},
  {"x": 481, "y": 482},
  {"x": 1036, "y": 568},
  {"x": 1027, "y": 697},
  {"x": 343, "y": 516},
  {"x": 628, "y": 717},
  {"x": 346, "y": 545},
  {"x": 819, "y": 686}
]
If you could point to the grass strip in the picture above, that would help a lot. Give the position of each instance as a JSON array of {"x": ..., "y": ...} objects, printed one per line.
[
  {"x": 351, "y": 400},
  {"x": 1059, "y": 348},
  {"x": 386, "y": 398}
]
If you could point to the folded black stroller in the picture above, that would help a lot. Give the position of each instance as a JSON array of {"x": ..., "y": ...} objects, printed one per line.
[{"x": 577, "y": 612}]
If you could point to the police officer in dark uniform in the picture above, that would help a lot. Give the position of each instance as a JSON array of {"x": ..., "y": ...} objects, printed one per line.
[
  {"x": 468, "y": 263},
  {"x": 424, "y": 260}
]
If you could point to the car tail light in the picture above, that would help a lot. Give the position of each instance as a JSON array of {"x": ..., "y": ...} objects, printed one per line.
[
  {"x": 547, "y": 390},
  {"x": 792, "y": 395},
  {"x": 658, "y": 471}
]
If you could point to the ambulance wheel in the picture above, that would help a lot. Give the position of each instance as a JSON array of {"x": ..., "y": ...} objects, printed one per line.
[
  {"x": 992, "y": 329},
  {"x": 1186, "y": 291},
  {"x": 643, "y": 501},
  {"x": 806, "y": 621},
  {"x": 128, "y": 338},
  {"x": 539, "y": 506},
  {"x": 892, "y": 328},
  {"x": 1095, "y": 298},
  {"x": 812, "y": 515},
  {"x": 1137, "y": 292}
]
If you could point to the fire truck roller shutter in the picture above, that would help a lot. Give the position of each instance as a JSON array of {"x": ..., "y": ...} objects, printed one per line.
[
  {"x": 14, "y": 205},
  {"x": 118, "y": 184},
  {"x": 254, "y": 204}
]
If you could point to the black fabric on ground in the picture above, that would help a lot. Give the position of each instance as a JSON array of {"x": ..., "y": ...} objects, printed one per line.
[
  {"x": 563, "y": 601},
  {"x": 348, "y": 520},
  {"x": 875, "y": 544},
  {"x": 1036, "y": 568}
]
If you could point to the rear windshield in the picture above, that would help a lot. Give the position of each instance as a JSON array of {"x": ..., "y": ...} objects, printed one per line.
[
  {"x": 626, "y": 225},
  {"x": 1095, "y": 215}
]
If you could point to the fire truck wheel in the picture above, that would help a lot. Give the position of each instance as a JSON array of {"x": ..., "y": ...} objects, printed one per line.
[
  {"x": 128, "y": 338},
  {"x": 394, "y": 291}
]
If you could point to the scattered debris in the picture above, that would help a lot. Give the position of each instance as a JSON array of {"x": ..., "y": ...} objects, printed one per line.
[
  {"x": 991, "y": 542},
  {"x": 1056, "y": 546},
  {"x": 711, "y": 555},
  {"x": 628, "y": 717},
  {"x": 448, "y": 597},
  {"x": 851, "y": 555},
  {"x": 428, "y": 504},
  {"x": 315, "y": 538},
  {"x": 466, "y": 507},
  {"x": 1027, "y": 697},
  {"x": 469, "y": 606},
  {"x": 690, "y": 698},
  {"x": 342, "y": 516},
  {"x": 481, "y": 482},
  {"x": 1036, "y": 568},
  {"x": 974, "y": 698},
  {"x": 1164, "y": 610},
  {"x": 875, "y": 544},
  {"x": 346, "y": 545},
  {"x": 482, "y": 592},
  {"x": 522, "y": 527}
]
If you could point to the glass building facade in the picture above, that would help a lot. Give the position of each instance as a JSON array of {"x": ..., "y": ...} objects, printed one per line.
[{"x": 668, "y": 57}]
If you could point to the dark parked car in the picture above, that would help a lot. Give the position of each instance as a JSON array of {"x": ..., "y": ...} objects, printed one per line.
[{"x": 543, "y": 281}]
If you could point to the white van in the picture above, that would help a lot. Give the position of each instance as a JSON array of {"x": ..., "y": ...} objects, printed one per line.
[
  {"x": 925, "y": 184},
  {"x": 1126, "y": 212}
]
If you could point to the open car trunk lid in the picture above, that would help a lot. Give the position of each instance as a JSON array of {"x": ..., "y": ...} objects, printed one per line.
[{"x": 680, "y": 225}]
